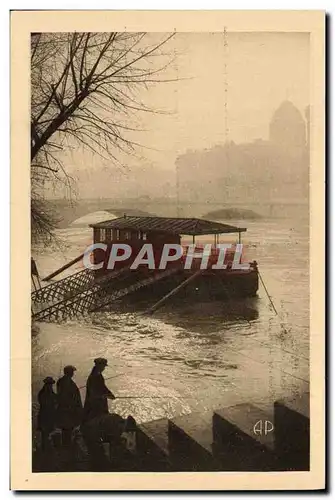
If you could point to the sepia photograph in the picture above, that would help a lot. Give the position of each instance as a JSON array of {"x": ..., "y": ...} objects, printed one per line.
[{"x": 170, "y": 236}]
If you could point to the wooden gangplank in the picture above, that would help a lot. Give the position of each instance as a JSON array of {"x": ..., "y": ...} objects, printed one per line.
[
  {"x": 63, "y": 268},
  {"x": 100, "y": 293}
]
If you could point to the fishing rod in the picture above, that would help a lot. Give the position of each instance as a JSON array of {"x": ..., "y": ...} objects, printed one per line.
[
  {"x": 146, "y": 397},
  {"x": 151, "y": 397},
  {"x": 108, "y": 378},
  {"x": 140, "y": 397}
]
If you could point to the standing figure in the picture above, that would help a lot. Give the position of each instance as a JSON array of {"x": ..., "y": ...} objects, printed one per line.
[
  {"x": 97, "y": 393},
  {"x": 117, "y": 431},
  {"x": 46, "y": 419},
  {"x": 70, "y": 407}
]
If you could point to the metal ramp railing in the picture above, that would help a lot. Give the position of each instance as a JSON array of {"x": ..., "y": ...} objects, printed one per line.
[
  {"x": 63, "y": 288},
  {"x": 100, "y": 293}
]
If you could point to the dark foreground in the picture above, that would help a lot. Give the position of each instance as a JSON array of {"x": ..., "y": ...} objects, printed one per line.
[{"x": 237, "y": 438}]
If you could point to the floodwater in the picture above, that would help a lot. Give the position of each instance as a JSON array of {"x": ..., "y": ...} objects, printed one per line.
[{"x": 194, "y": 357}]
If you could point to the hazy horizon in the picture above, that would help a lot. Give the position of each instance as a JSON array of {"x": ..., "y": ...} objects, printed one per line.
[{"x": 259, "y": 72}]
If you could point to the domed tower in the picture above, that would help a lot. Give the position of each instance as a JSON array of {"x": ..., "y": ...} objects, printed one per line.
[{"x": 288, "y": 127}]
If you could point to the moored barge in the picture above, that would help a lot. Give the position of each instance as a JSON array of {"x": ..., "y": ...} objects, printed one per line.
[
  {"x": 131, "y": 260},
  {"x": 189, "y": 278}
]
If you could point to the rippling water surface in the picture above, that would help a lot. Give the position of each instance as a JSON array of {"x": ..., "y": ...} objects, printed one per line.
[{"x": 198, "y": 356}]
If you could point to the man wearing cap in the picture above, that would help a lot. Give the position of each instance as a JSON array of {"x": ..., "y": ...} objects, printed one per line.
[
  {"x": 96, "y": 392},
  {"x": 46, "y": 419},
  {"x": 69, "y": 404}
]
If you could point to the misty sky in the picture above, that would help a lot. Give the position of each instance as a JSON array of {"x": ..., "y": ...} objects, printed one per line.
[{"x": 263, "y": 69}]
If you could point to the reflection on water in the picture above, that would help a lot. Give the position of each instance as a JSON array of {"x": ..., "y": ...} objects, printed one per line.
[{"x": 193, "y": 356}]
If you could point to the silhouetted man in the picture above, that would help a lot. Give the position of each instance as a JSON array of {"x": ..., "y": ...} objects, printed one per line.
[
  {"x": 97, "y": 393},
  {"x": 119, "y": 433},
  {"x": 70, "y": 407},
  {"x": 46, "y": 419}
]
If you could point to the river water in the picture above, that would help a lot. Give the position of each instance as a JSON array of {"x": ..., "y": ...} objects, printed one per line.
[{"x": 196, "y": 356}]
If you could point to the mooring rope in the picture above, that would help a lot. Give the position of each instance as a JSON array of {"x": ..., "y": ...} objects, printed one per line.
[{"x": 267, "y": 293}]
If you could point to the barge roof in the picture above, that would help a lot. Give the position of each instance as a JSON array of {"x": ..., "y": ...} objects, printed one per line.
[{"x": 174, "y": 225}]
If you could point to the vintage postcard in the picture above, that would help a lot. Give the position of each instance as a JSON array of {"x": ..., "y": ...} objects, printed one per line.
[{"x": 167, "y": 250}]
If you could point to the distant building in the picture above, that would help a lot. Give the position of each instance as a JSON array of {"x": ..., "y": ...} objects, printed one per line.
[
  {"x": 249, "y": 173},
  {"x": 288, "y": 127}
]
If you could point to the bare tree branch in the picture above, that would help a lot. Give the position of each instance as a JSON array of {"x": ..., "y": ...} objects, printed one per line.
[{"x": 83, "y": 91}]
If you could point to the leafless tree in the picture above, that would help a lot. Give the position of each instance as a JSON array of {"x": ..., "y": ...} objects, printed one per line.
[{"x": 84, "y": 90}]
